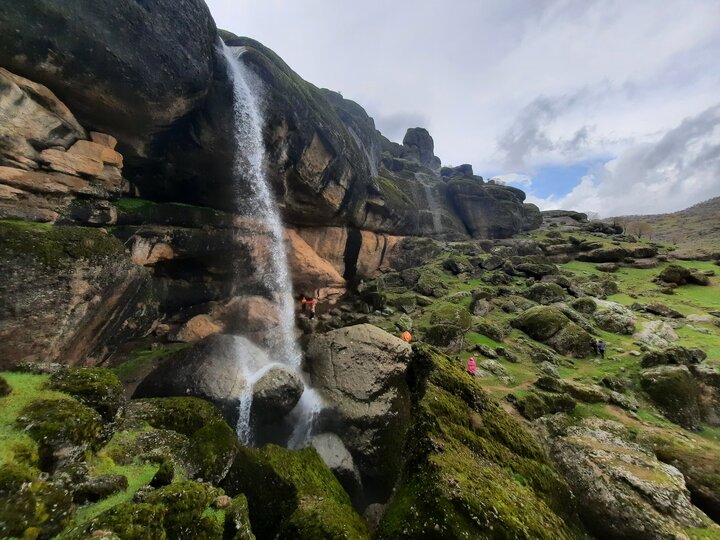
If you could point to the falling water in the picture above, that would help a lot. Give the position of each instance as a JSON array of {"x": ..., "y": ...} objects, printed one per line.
[
  {"x": 248, "y": 167},
  {"x": 433, "y": 208}
]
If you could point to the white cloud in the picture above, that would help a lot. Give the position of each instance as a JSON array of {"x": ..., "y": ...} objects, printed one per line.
[
  {"x": 677, "y": 170},
  {"x": 515, "y": 179},
  {"x": 605, "y": 76}
]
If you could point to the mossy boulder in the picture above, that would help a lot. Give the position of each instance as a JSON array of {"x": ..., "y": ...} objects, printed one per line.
[
  {"x": 292, "y": 494},
  {"x": 615, "y": 318},
  {"x": 449, "y": 337},
  {"x": 673, "y": 355},
  {"x": 696, "y": 460},
  {"x": 471, "y": 470},
  {"x": 212, "y": 450},
  {"x": 584, "y": 305},
  {"x": 550, "y": 325},
  {"x": 99, "y": 487},
  {"x": 406, "y": 303},
  {"x": 63, "y": 428},
  {"x": 97, "y": 388},
  {"x": 237, "y": 520},
  {"x": 184, "y": 504},
  {"x": 545, "y": 293},
  {"x": 495, "y": 330},
  {"x": 571, "y": 340},
  {"x": 457, "y": 264},
  {"x": 430, "y": 284},
  {"x": 185, "y": 415},
  {"x": 128, "y": 521},
  {"x": 541, "y": 323},
  {"x": 164, "y": 475},
  {"x": 675, "y": 391},
  {"x": 536, "y": 270},
  {"x": 535, "y": 404},
  {"x": 679, "y": 275},
  {"x": 30, "y": 507},
  {"x": 4, "y": 388},
  {"x": 452, "y": 315}
]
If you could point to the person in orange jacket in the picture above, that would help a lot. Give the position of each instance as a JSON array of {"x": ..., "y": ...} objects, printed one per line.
[{"x": 406, "y": 336}]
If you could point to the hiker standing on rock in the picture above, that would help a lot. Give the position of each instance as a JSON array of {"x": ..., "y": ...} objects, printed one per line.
[
  {"x": 601, "y": 348},
  {"x": 594, "y": 345},
  {"x": 312, "y": 302}
]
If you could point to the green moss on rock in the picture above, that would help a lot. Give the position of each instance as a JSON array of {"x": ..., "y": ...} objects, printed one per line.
[
  {"x": 584, "y": 305},
  {"x": 535, "y": 404},
  {"x": 53, "y": 245},
  {"x": 129, "y": 521},
  {"x": 453, "y": 315},
  {"x": 211, "y": 451},
  {"x": 185, "y": 415},
  {"x": 184, "y": 504},
  {"x": 60, "y": 424},
  {"x": 29, "y": 507},
  {"x": 471, "y": 470},
  {"x": 292, "y": 494},
  {"x": 541, "y": 323},
  {"x": 675, "y": 391},
  {"x": 237, "y": 520},
  {"x": 97, "y": 388}
]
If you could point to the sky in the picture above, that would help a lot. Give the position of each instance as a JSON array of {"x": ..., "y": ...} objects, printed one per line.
[{"x": 608, "y": 106}]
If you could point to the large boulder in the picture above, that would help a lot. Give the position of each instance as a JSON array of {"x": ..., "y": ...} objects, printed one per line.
[
  {"x": 340, "y": 462},
  {"x": 613, "y": 317},
  {"x": 675, "y": 391},
  {"x": 131, "y": 83},
  {"x": 276, "y": 393},
  {"x": 679, "y": 275},
  {"x": 292, "y": 494},
  {"x": 622, "y": 490},
  {"x": 657, "y": 334},
  {"x": 463, "y": 462},
  {"x": 360, "y": 371},
  {"x": 673, "y": 355},
  {"x": 545, "y": 293},
  {"x": 551, "y": 326},
  {"x": 212, "y": 369}
]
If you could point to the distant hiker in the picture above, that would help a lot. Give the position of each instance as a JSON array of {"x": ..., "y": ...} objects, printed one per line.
[
  {"x": 312, "y": 302},
  {"x": 471, "y": 367},
  {"x": 594, "y": 345},
  {"x": 303, "y": 303},
  {"x": 406, "y": 336},
  {"x": 601, "y": 348}
]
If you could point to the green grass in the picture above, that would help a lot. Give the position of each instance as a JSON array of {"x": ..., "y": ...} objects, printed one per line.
[
  {"x": 26, "y": 388},
  {"x": 128, "y": 204},
  {"x": 138, "y": 475}
]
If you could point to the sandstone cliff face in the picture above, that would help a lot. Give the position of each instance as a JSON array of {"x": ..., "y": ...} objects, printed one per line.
[{"x": 97, "y": 131}]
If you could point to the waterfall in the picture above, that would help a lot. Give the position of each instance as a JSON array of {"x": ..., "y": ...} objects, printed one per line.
[
  {"x": 249, "y": 169},
  {"x": 433, "y": 208}
]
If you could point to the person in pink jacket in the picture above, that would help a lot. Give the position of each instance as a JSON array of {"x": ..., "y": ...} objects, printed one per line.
[{"x": 472, "y": 368}]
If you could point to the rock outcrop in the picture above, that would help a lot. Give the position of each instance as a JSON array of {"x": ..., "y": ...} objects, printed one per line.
[
  {"x": 360, "y": 371},
  {"x": 622, "y": 490}
]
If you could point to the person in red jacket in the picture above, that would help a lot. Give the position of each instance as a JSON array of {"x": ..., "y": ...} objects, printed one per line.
[{"x": 472, "y": 367}]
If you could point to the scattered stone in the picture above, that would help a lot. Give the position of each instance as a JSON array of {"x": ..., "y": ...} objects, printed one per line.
[
  {"x": 673, "y": 355},
  {"x": 545, "y": 293},
  {"x": 548, "y": 369},
  {"x": 497, "y": 369},
  {"x": 679, "y": 275},
  {"x": 221, "y": 502},
  {"x": 100, "y": 487},
  {"x": 608, "y": 267},
  {"x": 486, "y": 351},
  {"x": 275, "y": 394},
  {"x": 536, "y": 404}
]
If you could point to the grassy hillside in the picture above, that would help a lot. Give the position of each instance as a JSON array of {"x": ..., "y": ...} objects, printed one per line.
[{"x": 697, "y": 227}]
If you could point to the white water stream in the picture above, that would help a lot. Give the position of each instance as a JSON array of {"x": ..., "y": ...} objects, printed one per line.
[
  {"x": 249, "y": 168},
  {"x": 433, "y": 208}
]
